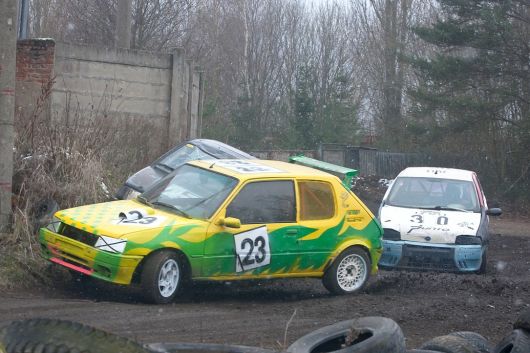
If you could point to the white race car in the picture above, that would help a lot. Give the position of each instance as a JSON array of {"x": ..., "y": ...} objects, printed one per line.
[{"x": 435, "y": 219}]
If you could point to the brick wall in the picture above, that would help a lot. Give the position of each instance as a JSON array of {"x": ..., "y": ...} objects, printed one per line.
[
  {"x": 35, "y": 59},
  {"x": 35, "y": 62}
]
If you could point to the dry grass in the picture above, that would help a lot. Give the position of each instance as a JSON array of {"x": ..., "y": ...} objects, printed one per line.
[{"x": 80, "y": 157}]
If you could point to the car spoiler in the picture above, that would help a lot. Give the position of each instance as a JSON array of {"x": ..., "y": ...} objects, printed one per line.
[{"x": 346, "y": 174}]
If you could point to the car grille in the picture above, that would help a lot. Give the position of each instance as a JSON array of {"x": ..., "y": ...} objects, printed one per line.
[
  {"x": 429, "y": 258},
  {"x": 78, "y": 234}
]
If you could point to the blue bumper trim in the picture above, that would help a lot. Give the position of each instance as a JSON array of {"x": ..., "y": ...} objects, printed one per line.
[{"x": 449, "y": 257}]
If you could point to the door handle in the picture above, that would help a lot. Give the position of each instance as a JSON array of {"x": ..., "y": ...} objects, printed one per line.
[{"x": 292, "y": 231}]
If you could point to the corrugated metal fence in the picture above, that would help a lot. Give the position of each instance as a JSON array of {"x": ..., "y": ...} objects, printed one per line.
[{"x": 368, "y": 161}]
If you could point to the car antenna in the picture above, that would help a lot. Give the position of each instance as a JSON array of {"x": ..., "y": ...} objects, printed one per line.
[{"x": 212, "y": 165}]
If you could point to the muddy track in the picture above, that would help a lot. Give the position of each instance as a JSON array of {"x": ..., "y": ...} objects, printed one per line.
[{"x": 424, "y": 304}]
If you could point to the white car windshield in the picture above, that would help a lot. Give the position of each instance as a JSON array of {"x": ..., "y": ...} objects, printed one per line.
[
  {"x": 191, "y": 191},
  {"x": 433, "y": 193}
]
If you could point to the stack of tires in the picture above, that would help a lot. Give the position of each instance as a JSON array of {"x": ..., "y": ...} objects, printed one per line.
[{"x": 363, "y": 335}]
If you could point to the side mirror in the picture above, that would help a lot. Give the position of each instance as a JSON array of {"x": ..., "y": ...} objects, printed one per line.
[
  {"x": 230, "y": 222},
  {"x": 494, "y": 212}
]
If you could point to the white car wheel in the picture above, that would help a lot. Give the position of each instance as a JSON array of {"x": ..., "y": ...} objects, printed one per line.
[
  {"x": 349, "y": 272},
  {"x": 168, "y": 278}
]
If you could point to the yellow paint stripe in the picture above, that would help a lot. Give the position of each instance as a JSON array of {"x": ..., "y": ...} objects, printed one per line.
[{"x": 315, "y": 235}]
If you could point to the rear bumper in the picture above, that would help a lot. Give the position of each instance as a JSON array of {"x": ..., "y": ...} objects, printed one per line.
[
  {"x": 439, "y": 257},
  {"x": 77, "y": 256}
]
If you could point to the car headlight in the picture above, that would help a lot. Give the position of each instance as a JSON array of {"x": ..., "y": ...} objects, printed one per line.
[
  {"x": 54, "y": 225},
  {"x": 112, "y": 245},
  {"x": 468, "y": 240}
]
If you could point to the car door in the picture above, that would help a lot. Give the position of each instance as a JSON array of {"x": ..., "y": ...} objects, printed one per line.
[{"x": 266, "y": 242}]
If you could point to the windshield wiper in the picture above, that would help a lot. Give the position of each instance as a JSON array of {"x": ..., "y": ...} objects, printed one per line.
[
  {"x": 445, "y": 208},
  {"x": 173, "y": 207}
]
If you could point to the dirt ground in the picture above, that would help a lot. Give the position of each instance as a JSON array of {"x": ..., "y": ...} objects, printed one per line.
[{"x": 424, "y": 304}]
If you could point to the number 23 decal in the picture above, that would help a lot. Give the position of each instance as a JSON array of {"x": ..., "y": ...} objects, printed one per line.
[{"x": 252, "y": 249}]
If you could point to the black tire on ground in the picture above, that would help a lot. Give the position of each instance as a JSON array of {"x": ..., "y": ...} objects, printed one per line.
[
  {"x": 484, "y": 264},
  {"x": 152, "y": 272},
  {"x": 363, "y": 335},
  {"x": 518, "y": 341},
  {"x": 45, "y": 335},
  {"x": 353, "y": 258},
  {"x": 523, "y": 321},
  {"x": 449, "y": 344},
  {"x": 203, "y": 347},
  {"x": 479, "y": 342}
]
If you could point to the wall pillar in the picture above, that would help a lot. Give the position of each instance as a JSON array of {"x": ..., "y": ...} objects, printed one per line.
[
  {"x": 177, "y": 123},
  {"x": 8, "y": 45}
]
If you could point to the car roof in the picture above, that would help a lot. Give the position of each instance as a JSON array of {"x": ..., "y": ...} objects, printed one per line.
[
  {"x": 259, "y": 168},
  {"x": 435, "y": 172},
  {"x": 219, "y": 149}
]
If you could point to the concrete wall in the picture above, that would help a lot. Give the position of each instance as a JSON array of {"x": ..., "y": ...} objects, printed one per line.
[{"x": 158, "y": 93}]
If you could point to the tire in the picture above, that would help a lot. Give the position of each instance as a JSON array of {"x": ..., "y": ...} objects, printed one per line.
[
  {"x": 43, "y": 212},
  {"x": 483, "y": 265},
  {"x": 523, "y": 321},
  {"x": 203, "y": 347},
  {"x": 420, "y": 351},
  {"x": 518, "y": 341},
  {"x": 479, "y": 343},
  {"x": 45, "y": 335},
  {"x": 159, "y": 290},
  {"x": 363, "y": 335},
  {"x": 355, "y": 259},
  {"x": 449, "y": 344}
]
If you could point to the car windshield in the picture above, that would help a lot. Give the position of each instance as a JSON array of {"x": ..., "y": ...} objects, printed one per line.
[
  {"x": 182, "y": 155},
  {"x": 191, "y": 191},
  {"x": 433, "y": 193}
]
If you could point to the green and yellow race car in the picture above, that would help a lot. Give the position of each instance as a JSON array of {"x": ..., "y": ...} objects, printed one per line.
[{"x": 222, "y": 220}]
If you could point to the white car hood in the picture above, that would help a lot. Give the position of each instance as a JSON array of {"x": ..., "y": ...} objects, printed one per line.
[{"x": 429, "y": 226}]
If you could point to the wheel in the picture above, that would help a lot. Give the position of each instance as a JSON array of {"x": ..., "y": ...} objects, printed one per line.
[
  {"x": 523, "y": 321},
  {"x": 45, "y": 335},
  {"x": 518, "y": 341},
  {"x": 478, "y": 342},
  {"x": 162, "y": 277},
  {"x": 349, "y": 272},
  {"x": 483, "y": 264},
  {"x": 363, "y": 335},
  {"x": 449, "y": 344}
]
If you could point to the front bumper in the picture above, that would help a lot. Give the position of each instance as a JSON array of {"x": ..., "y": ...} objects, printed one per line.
[
  {"x": 80, "y": 257},
  {"x": 427, "y": 256}
]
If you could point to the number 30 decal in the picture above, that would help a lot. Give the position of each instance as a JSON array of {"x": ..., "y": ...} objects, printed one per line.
[{"x": 252, "y": 249}]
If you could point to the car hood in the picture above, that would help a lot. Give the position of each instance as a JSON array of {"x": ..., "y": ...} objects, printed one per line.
[
  {"x": 145, "y": 178},
  {"x": 430, "y": 226},
  {"x": 121, "y": 219}
]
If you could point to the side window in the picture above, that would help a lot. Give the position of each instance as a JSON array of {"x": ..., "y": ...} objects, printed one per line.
[
  {"x": 316, "y": 200},
  {"x": 264, "y": 202}
]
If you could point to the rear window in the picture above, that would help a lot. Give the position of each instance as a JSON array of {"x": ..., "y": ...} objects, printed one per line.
[{"x": 316, "y": 200}]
